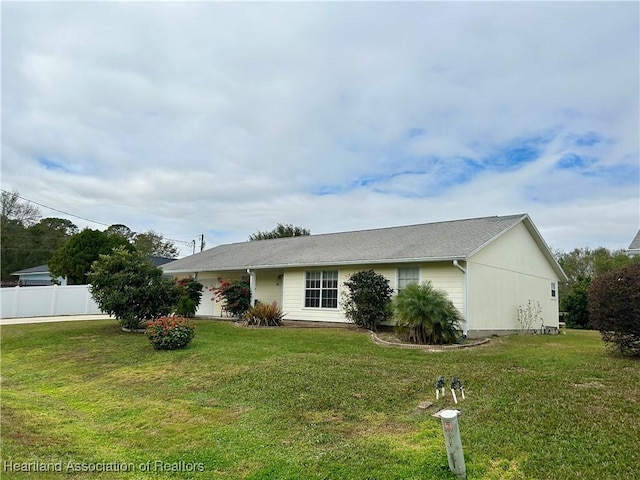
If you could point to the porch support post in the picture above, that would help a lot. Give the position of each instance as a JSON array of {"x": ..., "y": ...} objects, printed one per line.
[{"x": 252, "y": 285}]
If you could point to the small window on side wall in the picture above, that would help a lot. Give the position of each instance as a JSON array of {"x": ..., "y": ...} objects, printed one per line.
[
  {"x": 407, "y": 276},
  {"x": 553, "y": 290}
]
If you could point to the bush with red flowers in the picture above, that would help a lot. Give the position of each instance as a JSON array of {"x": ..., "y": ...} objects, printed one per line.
[
  {"x": 169, "y": 333},
  {"x": 236, "y": 295}
]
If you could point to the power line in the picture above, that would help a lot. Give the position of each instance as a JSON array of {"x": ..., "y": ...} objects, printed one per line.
[
  {"x": 54, "y": 209},
  {"x": 80, "y": 217}
]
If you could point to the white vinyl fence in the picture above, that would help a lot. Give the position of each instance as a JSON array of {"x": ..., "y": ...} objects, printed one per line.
[{"x": 47, "y": 301}]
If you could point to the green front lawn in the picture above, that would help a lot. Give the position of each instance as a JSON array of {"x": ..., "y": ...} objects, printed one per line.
[{"x": 308, "y": 404}]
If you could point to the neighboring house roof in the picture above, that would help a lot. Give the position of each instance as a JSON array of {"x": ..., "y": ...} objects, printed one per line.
[
  {"x": 157, "y": 261},
  {"x": 428, "y": 242},
  {"x": 634, "y": 248},
  {"x": 40, "y": 269}
]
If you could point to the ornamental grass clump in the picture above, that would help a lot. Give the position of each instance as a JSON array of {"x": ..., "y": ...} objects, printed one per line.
[
  {"x": 264, "y": 315},
  {"x": 169, "y": 333}
]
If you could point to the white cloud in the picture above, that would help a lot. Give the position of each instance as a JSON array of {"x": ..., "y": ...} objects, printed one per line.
[{"x": 225, "y": 118}]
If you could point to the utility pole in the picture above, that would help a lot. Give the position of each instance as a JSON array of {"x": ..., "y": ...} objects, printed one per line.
[
  {"x": 202, "y": 243},
  {"x": 193, "y": 244}
]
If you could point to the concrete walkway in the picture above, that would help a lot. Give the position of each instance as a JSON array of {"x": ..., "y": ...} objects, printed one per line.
[{"x": 64, "y": 318}]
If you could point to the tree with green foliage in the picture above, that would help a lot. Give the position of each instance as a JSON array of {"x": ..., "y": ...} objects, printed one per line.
[
  {"x": 16, "y": 216},
  {"x": 582, "y": 266},
  {"x": 425, "y": 315},
  {"x": 367, "y": 299},
  {"x": 127, "y": 286},
  {"x": 25, "y": 239},
  {"x": 122, "y": 231},
  {"x": 14, "y": 244},
  {"x": 280, "y": 231},
  {"x": 575, "y": 304},
  {"x": 152, "y": 243},
  {"x": 585, "y": 262},
  {"x": 13, "y": 207},
  {"x": 190, "y": 296},
  {"x": 73, "y": 260},
  {"x": 48, "y": 235},
  {"x": 614, "y": 308}
]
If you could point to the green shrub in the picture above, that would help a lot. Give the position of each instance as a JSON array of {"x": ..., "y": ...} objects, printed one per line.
[
  {"x": 425, "y": 315},
  {"x": 575, "y": 305},
  {"x": 236, "y": 295},
  {"x": 126, "y": 285},
  {"x": 367, "y": 299},
  {"x": 264, "y": 315},
  {"x": 190, "y": 295},
  {"x": 614, "y": 308},
  {"x": 169, "y": 333}
]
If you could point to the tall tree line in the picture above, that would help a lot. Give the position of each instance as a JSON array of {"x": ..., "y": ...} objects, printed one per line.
[{"x": 28, "y": 240}]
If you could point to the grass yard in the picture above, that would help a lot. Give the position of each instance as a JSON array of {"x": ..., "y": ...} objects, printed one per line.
[{"x": 309, "y": 404}]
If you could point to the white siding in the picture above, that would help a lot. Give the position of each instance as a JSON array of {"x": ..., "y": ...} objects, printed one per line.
[
  {"x": 444, "y": 276},
  {"x": 448, "y": 278},
  {"x": 269, "y": 286},
  {"x": 507, "y": 273}
]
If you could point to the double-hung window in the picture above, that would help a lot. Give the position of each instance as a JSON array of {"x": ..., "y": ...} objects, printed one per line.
[
  {"x": 321, "y": 289},
  {"x": 554, "y": 293},
  {"x": 407, "y": 276}
]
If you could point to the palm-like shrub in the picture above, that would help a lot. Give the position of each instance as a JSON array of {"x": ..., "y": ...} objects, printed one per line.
[
  {"x": 425, "y": 315},
  {"x": 264, "y": 315}
]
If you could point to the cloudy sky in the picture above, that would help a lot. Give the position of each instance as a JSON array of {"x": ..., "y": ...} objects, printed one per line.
[{"x": 226, "y": 118}]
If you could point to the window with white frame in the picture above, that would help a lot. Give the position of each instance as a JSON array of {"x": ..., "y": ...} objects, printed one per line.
[
  {"x": 553, "y": 290},
  {"x": 407, "y": 276},
  {"x": 321, "y": 289}
]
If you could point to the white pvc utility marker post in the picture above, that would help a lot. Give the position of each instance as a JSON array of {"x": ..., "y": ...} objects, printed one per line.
[{"x": 453, "y": 442}]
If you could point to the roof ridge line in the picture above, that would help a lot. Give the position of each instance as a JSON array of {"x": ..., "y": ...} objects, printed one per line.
[{"x": 376, "y": 229}]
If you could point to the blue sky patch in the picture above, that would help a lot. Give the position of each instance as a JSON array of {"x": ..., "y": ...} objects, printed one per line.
[
  {"x": 588, "y": 139},
  {"x": 53, "y": 164},
  {"x": 416, "y": 133},
  {"x": 410, "y": 175},
  {"x": 615, "y": 175},
  {"x": 573, "y": 161},
  {"x": 517, "y": 153}
]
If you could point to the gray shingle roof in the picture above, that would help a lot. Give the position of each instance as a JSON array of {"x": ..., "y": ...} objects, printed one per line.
[
  {"x": 450, "y": 240},
  {"x": 33, "y": 270},
  {"x": 634, "y": 248},
  {"x": 159, "y": 261}
]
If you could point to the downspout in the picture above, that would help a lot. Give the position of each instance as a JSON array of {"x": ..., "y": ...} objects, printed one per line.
[
  {"x": 465, "y": 328},
  {"x": 252, "y": 284}
]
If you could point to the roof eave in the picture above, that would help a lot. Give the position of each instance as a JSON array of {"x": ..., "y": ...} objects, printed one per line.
[{"x": 324, "y": 264}]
